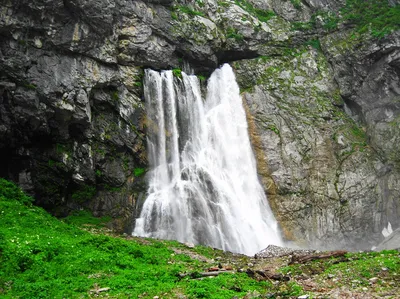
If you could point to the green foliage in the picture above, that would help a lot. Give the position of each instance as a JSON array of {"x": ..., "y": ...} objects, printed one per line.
[
  {"x": 138, "y": 171},
  {"x": 174, "y": 16},
  {"x": 302, "y": 26},
  {"x": 83, "y": 194},
  {"x": 30, "y": 86},
  {"x": 200, "y": 3},
  {"x": 314, "y": 43},
  {"x": 328, "y": 20},
  {"x": 262, "y": 15},
  {"x": 233, "y": 33},
  {"x": 274, "y": 129},
  {"x": 223, "y": 3},
  {"x": 296, "y": 3},
  {"x": 61, "y": 148},
  {"x": 11, "y": 191},
  {"x": 202, "y": 78},
  {"x": 115, "y": 96},
  {"x": 42, "y": 257},
  {"x": 189, "y": 11},
  {"x": 374, "y": 15},
  {"x": 226, "y": 286},
  {"x": 98, "y": 173},
  {"x": 112, "y": 188},
  {"x": 177, "y": 72},
  {"x": 84, "y": 218},
  {"x": 138, "y": 84}
]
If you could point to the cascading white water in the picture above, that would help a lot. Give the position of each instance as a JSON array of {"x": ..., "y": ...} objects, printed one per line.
[{"x": 203, "y": 184}]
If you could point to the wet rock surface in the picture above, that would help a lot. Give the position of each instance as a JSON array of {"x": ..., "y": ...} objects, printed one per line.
[
  {"x": 325, "y": 178},
  {"x": 325, "y": 118},
  {"x": 390, "y": 242}
]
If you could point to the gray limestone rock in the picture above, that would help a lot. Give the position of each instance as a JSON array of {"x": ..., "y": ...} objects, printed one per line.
[
  {"x": 72, "y": 119},
  {"x": 390, "y": 242}
]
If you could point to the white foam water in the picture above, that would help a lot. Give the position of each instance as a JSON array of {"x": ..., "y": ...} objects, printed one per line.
[{"x": 203, "y": 184}]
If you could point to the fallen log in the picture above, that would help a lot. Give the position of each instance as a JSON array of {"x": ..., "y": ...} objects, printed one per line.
[
  {"x": 215, "y": 273},
  {"x": 301, "y": 259},
  {"x": 197, "y": 275}
]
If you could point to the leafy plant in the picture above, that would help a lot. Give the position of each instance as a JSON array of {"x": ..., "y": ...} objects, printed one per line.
[
  {"x": 83, "y": 217},
  {"x": 314, "y": 43},
  {"x": 115, "y": 96},
  {"x": 189, "y": 11},
  {"x": 296, "y": 4},
  {"x": 10, "y": 190},
  {"x": 233, "y": 33},
  {"x": 83, "y": 194},
  {"x": 137, "y": 172},
  {"x": 261, "y": 14},
  {"x": 377, "y": 16},
  {"x": 30, "y": 86},
  {"x": 177, "y": 72}
]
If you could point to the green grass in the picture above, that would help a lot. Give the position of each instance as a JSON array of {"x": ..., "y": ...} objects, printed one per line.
[
  {"x": 84, "y": 193},
  {"x": 296, "y": 4},
  {"x": 262, "y": 15},
  {"x": 233, "y": 33},
  {"x": 189, "y": 11},
  {"x": 43, "y": 257},
  {"x": 367, "y": 265},
  {"x": 361, "y": 266},
  {"x": 30, "y": 86},
  {"x": 139, "y": 171},
  {"x": 83, "y": 218},
  {"x": 376, "y": 16},
  {"x": 315, "y": 43}
]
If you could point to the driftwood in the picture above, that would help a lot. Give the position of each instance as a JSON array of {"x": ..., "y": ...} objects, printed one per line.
[
  {"x": 200, "y": 275},
  {"x": 301, "y": 259},
  {"x": 215, "y": 273},
  {"x": 267, "y": 275},
  {"x": 273, "y": 276}
]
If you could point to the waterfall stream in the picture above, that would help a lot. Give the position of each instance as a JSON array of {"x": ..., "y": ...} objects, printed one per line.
[{"x": 203, "y": 184}]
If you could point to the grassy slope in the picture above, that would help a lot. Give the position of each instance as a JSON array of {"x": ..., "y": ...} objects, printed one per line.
[{"x": 43, "y": 257}]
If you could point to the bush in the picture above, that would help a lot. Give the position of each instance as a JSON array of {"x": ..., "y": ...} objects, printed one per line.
[{"x": 10, "y": 191}]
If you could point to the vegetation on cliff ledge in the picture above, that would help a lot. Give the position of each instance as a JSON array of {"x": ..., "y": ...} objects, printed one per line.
[{"x": 43, "y": 257}]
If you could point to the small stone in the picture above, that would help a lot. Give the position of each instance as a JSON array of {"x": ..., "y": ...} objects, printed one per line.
[
  {"x": 190, "y": 245},
  {"x": 373, "y": 279},
  {"x": 250, "y": 264},
  {"x": 303, "y": 297},
  {"x": 385, "y": 269},
  {"x": 156, "y": 297},
  {"x": 330, "y": 276},
  {"x": 365, "y": 289}
]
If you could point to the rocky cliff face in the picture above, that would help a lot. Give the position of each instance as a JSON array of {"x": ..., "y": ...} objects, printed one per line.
[{"x": 323, "y": 100}]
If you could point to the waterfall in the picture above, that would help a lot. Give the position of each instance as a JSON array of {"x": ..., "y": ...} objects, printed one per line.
[{"x": 203, "y": 184}]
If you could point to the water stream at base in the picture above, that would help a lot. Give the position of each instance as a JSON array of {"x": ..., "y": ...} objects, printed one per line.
[{"x": 203, "y": 184}]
